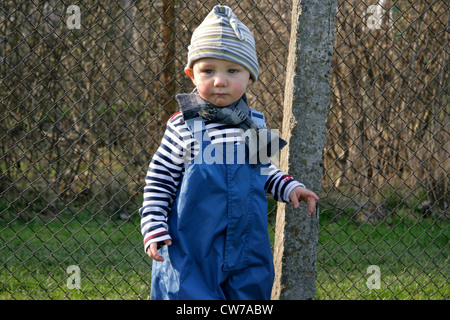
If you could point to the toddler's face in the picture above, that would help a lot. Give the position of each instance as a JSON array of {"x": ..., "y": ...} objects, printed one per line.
[{"x": 218, "y": 81}]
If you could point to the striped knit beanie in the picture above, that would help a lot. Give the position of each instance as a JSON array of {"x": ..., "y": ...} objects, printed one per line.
[{"x": 221, "y": 35}]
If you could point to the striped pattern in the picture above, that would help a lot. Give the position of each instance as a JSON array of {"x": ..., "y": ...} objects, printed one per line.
[
  {"x": 221, "y": 35},
  {"x": 166, "y": 170}
]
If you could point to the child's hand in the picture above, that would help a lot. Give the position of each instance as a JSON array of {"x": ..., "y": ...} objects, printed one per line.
[
  {"x": 303, "y": 194},
  {"x": 152, "y": 250}
]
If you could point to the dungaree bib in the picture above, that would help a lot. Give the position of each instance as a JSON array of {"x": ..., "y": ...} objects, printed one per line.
[{"x": 218, "y": 224}]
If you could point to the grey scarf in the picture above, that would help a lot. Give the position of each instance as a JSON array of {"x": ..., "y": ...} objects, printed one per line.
[{"x": 267, "y": 143}]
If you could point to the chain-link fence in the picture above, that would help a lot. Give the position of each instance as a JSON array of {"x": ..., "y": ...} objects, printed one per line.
[{"x": 86, "y": 89}]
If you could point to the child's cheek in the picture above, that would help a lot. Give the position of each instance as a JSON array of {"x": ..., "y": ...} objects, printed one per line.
[{"x": 203, "y": 92}]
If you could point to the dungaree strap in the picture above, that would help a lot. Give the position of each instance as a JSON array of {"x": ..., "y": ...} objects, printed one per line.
[
  {"x": 198, "y": 129},
  {"x": 196, "y": 125}
]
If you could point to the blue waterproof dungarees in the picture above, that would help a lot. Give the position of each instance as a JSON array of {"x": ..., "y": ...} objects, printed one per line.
[{"x": 218, "y": 224}]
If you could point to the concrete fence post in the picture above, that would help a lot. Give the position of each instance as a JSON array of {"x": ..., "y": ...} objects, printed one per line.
[{"x": 307, "y": 98}]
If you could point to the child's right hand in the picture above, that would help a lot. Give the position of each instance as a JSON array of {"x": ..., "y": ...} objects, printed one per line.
[{"x": 152, "y": 250}]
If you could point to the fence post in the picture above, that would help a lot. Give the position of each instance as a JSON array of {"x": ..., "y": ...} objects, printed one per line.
[{"x": 307, "y": 97}]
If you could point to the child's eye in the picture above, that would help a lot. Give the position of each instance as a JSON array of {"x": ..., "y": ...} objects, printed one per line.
[{"x": 232, "y": 71}]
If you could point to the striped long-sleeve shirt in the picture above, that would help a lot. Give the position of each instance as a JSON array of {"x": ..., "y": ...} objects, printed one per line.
[{"x": 166, "y": 169}]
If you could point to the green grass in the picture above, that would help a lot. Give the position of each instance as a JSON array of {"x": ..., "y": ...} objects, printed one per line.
[
  {"x": 412, "y": 255},
  {"x": 36, "y": 254}
]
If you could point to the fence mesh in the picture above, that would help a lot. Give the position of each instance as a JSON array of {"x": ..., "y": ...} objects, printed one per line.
[{"x": 85, "y": 92}]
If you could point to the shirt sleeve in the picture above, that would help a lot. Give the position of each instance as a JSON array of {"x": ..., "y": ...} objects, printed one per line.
[
  {"x": 162, "y": 180},
  {"x": 280, "y": 184}
]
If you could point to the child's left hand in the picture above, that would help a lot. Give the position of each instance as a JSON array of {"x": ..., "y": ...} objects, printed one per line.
[{"x": 303, "y": 194}]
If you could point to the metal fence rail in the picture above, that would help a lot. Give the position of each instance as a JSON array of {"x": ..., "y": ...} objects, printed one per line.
[{"x": 85, "y": 92}]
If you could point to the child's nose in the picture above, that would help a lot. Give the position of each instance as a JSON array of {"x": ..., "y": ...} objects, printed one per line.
[{"x": 220, "y": 81}]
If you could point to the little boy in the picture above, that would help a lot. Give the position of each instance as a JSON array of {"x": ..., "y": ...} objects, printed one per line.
[{"x": 205, "y": 222}]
